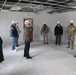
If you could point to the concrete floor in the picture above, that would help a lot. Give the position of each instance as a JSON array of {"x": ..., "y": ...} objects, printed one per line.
[{"x": 47, "y": 60}]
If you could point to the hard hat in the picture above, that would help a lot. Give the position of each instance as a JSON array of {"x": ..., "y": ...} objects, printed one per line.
[
  {"x": 71, "y": 21},
  {"x": 44, "y": 23},
  {"x": 58, "y": 22}
]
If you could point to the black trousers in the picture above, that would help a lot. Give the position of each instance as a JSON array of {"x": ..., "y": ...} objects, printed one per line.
[
  {"x": 1, "y": 51},
  {"x": 26, "y": 49},
  {"x": 1, "y": 55},
  {"x": 58, "y": 39}
]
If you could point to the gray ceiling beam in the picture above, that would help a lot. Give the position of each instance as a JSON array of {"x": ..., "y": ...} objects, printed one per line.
[
  {"x": 4, "y": 4},
  {"x": 16, "y": 4}
]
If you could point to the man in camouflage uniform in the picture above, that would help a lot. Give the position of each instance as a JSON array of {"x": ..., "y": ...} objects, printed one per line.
[{"x": 71, "y": 30}]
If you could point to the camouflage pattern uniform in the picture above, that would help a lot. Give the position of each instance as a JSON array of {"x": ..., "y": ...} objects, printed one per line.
[{"x": 71, "y": 30}]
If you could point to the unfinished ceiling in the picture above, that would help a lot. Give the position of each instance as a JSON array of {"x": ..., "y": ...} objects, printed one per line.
[{"x": 36, "y": 6}]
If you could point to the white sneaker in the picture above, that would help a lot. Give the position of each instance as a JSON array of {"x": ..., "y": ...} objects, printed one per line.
[{"x": 15, "y": 50}]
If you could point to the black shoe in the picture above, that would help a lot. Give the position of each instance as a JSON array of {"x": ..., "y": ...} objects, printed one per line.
[
  {"x": 1, "y": 60},
  {"x": 47, "y": 43},
  {"x": 44, "y": 42},
  {"x": 28, "y": 57},
  {"x": 24, "y": 55},
  {"x": 72, "y": 48},
  {"x": 17, "y": 45},
  {"x": 55, "y": 43},
  {"x": 74, "y": 55}
]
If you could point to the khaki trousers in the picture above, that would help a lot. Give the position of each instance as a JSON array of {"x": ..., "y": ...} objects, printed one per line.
[
  {"x": 45, "y": 37},
  {"x": 71, "y": 42}
]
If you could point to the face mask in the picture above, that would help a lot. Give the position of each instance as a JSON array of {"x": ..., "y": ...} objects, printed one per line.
[{"x": 71, "y": 23}]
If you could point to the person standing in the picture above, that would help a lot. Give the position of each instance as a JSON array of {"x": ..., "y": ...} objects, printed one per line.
[
  {"x": 18, "y": 30},
  {"x": 44, "y": 32},
  {"x": 58, "y": 32},
  {"x": 71, "y": 30},
  {"x": 27, "y": 39},
  {"x": 1, "y": 52},
  {"x": 13, "y": 35}
]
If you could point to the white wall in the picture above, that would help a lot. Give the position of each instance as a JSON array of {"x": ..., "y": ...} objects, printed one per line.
[{"x": 38, "y": 19}]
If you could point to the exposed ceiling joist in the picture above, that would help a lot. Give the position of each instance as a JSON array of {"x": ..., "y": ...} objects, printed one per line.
[{"x": 38, "y": 5}]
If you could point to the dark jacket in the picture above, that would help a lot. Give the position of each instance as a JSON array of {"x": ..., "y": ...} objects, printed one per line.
[
  {"x": 27, "y": 34},
  {"x": 13, "y": 31},
  {"x": 58, "y": 30},
  {"x": 44, "y": 29},
  {"x": 1, "y": 52}
]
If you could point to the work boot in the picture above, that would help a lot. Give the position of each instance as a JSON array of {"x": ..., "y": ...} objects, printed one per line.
[
  {"x": 74, "y": 55},
  {"x": 44, "y": 42},
  {"x": 72, "y": 48},
  {"x": 29, "y": 57},
  {"x": 68, "y": 45},
  {"x": 47, "y": 43}
]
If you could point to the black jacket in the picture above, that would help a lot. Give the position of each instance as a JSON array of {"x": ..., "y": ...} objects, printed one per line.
[
  {"x": 1, "y": 52},
  {"x": 58, "y": 30}
]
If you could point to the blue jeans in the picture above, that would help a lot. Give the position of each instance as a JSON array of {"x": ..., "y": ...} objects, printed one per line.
[
  {"x": 13, "y": 42},
  {"x": 17, "y": 40}
]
